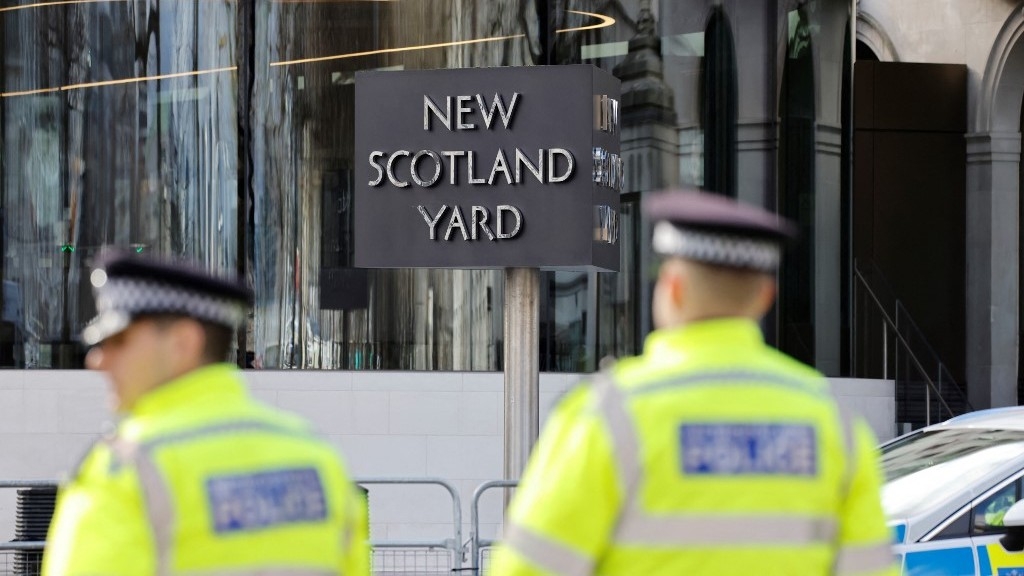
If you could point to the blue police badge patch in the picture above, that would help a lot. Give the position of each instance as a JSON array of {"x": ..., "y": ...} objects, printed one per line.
[
  {"x": 733, "y": 449},
  {"x": 264, "y": 499}
]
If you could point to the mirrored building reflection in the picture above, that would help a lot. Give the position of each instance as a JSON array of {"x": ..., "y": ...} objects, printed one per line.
[
  {"x": 117, "y": 127},
  {"x": 223, "y": 131}
]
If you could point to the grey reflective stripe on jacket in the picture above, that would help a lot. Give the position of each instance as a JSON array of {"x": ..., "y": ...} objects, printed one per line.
[
  {"x": 552, "y": 556},
  {"x": 157, "y": 495},
  {"x": 718, "y": 377},
  {"x": 690, "y": 530},
  {"x": 865, "y": 559},
  {"x": 265, "y": 572},
  {"x": 611, "y": 402}
]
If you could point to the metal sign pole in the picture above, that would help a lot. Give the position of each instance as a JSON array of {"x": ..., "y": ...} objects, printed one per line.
[{"x": 522, "y": 367}]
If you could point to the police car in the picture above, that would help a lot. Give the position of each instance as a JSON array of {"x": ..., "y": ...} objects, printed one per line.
[{"x": 953, "y": 493}]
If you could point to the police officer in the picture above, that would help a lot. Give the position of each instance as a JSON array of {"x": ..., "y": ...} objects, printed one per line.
[
  {"x": 198, "y": 478},
  {"x": 711, "y": 453}
]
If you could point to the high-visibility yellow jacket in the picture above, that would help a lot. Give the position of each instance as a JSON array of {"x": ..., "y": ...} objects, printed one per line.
[
  {"x": 711, "y": 453},
  {"x": 201, "y": 479}
]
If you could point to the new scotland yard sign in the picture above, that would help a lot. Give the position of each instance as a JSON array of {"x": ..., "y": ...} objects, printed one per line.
[{"x": 488, "y": 168}]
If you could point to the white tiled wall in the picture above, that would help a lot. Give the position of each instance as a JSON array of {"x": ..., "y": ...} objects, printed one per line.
[
  {"x": 874, "y": 400},
  {"x": 406, "y": 424}
]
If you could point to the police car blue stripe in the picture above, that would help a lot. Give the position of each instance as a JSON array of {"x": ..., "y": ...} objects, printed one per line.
[
  {"x": 941, "y": 562},
  {"x": 984, "y": 564},
  {"x": 899, "y": 532}
]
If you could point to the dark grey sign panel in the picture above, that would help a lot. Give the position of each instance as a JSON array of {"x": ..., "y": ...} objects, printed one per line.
[{"x": 487, "y": 168}]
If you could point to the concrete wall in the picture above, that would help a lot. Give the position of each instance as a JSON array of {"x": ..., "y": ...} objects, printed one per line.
[
  {"x": 409, "y": 424},
  {"x": 874, "y": 400}
]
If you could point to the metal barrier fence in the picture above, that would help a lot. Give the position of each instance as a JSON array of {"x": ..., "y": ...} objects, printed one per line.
[
  {"x": 419, "y": 557},
  {"x": 21, "y": 558},
  {"x": 479, "y": 546},
  {"x": 414, "y": 557}
]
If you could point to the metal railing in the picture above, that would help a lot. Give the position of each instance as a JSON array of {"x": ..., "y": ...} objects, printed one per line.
[
  {"x": 478, "y": 544},
  {"x": 903, "y": 345},
  {"x": 418, "y": 556}
]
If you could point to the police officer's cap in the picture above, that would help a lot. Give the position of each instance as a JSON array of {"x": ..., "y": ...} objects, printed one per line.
[
  {"x": 717, "y": 230},
  {"x": 127, "y": 286}
]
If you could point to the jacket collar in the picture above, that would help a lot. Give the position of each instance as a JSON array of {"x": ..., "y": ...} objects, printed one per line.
[
  {"x": 737, "y": 333},
  {"x": 221, "y": 380}
]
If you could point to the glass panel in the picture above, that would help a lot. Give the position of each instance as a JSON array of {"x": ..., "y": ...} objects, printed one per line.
[
  {"x": 565, "y": 298},
  {"x": 988, "y": 515},
  {"x": 117, "y": 126},
  {"x": 699, "y": 69},
  {"x": 958, "y": 528},
  {"x": 620, "y": 302},
  {"x": 796, "y": 187},
  {"x": 313, "y": 309},
  {"x": 718, "y": 105}
]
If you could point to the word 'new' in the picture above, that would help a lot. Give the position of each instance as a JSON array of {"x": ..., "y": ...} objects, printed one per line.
[{"x": 463, "y": 109}]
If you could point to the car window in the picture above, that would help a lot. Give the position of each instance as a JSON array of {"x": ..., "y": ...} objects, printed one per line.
[
  {"x": 959, "y": 528},
  {"x": 934, "y": 465},
  {"x": 988, "y": 514}
]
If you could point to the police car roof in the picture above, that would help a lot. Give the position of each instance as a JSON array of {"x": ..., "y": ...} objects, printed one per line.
[{"x": 1008, "y": 418}]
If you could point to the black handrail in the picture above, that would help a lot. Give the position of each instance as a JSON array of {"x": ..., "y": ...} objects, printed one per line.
[{"x": 905, "y": 346}]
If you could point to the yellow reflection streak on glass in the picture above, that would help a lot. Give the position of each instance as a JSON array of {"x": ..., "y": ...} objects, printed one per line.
[
  {"x": 605, "y": 21},
  {"x": 402, "y": 49},
  {"x": 121, "y": 81},
  {"x": 147, "y": 78},
  {"x": 28, "y": 92},
  {"x": 54, "y": 3}
]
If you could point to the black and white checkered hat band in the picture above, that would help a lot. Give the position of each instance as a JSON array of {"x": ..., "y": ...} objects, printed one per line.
[
  {"x": 134, "y": 297},
  {"x": 716, "y": 248}
]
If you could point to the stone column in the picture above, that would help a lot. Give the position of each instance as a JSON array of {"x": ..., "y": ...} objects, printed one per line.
[
  {"x": 757, "y": 144},
  {"x": 993, "y": 182},
  {"x": 827, "y": 247},
  {"x": 757, "y": 130}
]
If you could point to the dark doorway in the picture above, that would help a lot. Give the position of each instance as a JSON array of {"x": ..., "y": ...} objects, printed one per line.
[{"x": 909, "y": 205}]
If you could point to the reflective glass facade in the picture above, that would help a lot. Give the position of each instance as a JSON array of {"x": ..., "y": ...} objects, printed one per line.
[{"x": 223, "y": 130}]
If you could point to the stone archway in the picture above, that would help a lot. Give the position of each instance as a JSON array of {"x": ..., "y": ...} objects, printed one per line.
[
  {"x": 993, "y": 196},
  {"x": 1003, "y": 83},
  {"x": 870, "y": 32}
]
